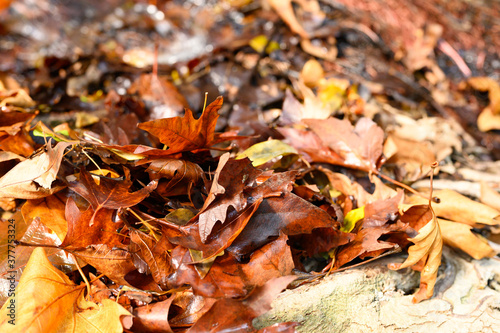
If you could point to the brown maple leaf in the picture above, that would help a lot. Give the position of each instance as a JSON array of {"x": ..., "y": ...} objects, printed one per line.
[
  {"x": 109, "y": 193},
  {"x": 186, "y": 133}
]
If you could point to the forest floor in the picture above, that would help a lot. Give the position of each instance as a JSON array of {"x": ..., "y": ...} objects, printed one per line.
[{"x": 184, "y": 158}]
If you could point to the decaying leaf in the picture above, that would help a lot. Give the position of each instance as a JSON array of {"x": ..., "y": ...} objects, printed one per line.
[
  {"x": 145, "y": 246},
  {"x": 44, "y": 290},
  {"x": 427, "y": 248},
  {"x": 239, "y": 314}
]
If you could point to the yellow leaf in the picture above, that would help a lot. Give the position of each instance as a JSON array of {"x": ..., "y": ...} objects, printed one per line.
[
  {"x": 312, "y": 73},
  {"x": 260, "y": 42},
  {"x": 105, "y": 173},
  {"x": 352, "y": 218},
  {"x": 456, "y": 207},
  {"x": 487, "y": 120},
  {"x": 458, "y": 235},
  {"x": 263, "y": 152},
  {"x": 47, "y": 300},
  {"x": 127, "y": 156},
  {"x": 427, "y": 249}
]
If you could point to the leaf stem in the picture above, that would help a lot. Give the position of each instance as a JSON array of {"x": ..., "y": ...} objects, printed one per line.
[
  {"x": 83, "y": 275},
  {"x": 406, "y": 187}
]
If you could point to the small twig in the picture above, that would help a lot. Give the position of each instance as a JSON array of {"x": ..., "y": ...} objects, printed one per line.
[{"x": 83, "y": 275}]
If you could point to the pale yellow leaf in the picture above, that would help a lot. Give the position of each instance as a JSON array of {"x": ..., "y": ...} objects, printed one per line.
[
  {"x": 264, "y": 152},
  {"x": 489, "y": 196},
  {"x": 456, "y": 207},
  {"x": 458, "y": 235}
]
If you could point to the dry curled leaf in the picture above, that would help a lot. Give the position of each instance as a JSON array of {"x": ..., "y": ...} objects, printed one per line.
[
  {"x": 426, "y": 249},
  {"x": 33, "y": 178}
]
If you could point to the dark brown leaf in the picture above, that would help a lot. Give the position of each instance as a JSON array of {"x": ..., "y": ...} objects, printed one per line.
[
  {"x": 157, "y": 262},
  {"x": 289, "y": 214},
  {"x": 233, "y": 179}
]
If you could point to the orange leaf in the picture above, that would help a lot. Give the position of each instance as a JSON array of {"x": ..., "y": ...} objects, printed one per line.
[
  {"x": 186, "y": 133},
  {"x": 44, "y": 291}
]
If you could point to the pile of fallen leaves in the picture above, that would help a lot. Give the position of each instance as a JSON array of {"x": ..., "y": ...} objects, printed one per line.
[{"x": 142, "y": 219}]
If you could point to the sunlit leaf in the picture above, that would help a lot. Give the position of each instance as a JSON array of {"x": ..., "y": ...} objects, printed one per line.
[
  {"x": 43, "y": 290},
  {"x": 263, "y": 152},
  {"x": 352, "y": 218}
]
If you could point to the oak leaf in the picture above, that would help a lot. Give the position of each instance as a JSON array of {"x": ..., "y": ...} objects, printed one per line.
[{"x": 44, "y": 291}]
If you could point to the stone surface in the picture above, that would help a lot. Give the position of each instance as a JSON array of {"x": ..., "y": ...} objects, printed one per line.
[{"x": 372, "y": 298}]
